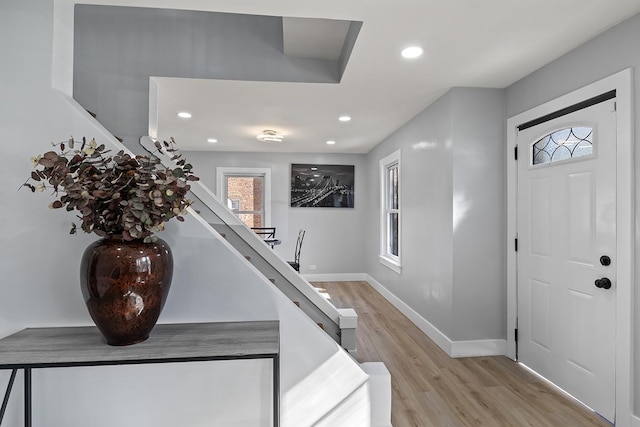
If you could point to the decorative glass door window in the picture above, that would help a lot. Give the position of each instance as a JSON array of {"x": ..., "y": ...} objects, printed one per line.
[{"x": 564, "y": 144}]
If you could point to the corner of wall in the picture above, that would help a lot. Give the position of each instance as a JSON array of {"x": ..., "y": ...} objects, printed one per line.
[
  {"x": 62, "y": 55},
  {"x": 472, "y": 348}
]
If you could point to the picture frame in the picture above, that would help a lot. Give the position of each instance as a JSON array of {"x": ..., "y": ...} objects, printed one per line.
[{"x": 322, "y": 186}]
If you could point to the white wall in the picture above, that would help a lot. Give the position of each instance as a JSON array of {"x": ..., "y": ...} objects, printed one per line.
[
  {"x": 452, "y": 179},
  {"x": 39, "y": 264},
  {"x": 334, "y": 236},
  {"x": 612, "y": 51}
]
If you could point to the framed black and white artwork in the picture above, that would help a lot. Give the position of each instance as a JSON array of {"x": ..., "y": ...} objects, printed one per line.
[{"x": 322, "y": 186}]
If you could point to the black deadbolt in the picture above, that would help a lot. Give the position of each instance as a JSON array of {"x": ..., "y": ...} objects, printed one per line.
[
  {"x": 605, "y": 260},
  {"x": 603, "y": 283}
]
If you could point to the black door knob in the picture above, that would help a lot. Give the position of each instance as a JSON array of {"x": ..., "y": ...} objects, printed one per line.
[
  {"x": 603, "y": 283},
  {"x": 605, "y": 260}
]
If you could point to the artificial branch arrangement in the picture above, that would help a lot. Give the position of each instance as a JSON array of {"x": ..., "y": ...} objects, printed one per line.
[{"x": 115, "y": 195}]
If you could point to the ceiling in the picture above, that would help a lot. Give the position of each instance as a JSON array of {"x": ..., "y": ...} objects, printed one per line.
[{"x": 467, "y": 43}]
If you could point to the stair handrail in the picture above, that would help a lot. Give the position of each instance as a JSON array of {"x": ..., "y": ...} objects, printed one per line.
[{"x": 211, "y": 200}]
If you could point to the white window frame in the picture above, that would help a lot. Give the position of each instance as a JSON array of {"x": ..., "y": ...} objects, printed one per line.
[
  {"x": 221, "y": 179},
  {"x": 386, "y": 258}
]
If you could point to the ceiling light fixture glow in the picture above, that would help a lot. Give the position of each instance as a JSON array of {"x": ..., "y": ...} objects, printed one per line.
[
  {"x": 344, "y": 118},
  {"x": 270, "y": 136},
  {"x": 331, "y": 142},
  {"x": 184, "y": 115},
  {"x": 412, "y": 52},
  {"x": 212, "y": 140}
]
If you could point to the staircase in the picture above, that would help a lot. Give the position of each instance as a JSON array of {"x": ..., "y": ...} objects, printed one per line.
[{"x": 339, "y": 324}]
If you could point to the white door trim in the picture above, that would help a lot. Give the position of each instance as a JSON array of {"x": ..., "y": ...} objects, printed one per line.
[{"x": 625, "y": 204}]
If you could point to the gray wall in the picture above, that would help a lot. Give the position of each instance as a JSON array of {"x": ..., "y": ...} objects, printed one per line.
[
  {"x": 606, "y": 54},
  {"x": 334, "y": 236},
  {"x": 117, "y": 49},
  {"x": 479, "y": 206},
  {"x": 452, "y": 157},
  {"x": 426, "y": 240}
]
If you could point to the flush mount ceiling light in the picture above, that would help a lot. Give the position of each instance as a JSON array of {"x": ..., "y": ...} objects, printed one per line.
[
  {"x": 212, "y": 140},
  {"x": 344, "y": 118},
  {"x": 270, "y": 136},
  {"x": 184, "y": 115},
  {"x": 331, "y": 142},
  {"x": 412, "y": 52}
]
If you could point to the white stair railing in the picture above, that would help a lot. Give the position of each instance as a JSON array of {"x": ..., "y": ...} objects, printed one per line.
[{"x": 340, "y": 324}]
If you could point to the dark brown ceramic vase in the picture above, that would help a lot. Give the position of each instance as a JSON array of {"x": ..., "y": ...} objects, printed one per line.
[{"x": 125, "y": 285}]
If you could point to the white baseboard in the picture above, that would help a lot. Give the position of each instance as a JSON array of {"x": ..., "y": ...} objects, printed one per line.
[
  {"x": 339, "y": 277},
  {"x": 478, "y": 348},
  {"x": 452, "y": 348},
  {"x": 431, "y": 331}
]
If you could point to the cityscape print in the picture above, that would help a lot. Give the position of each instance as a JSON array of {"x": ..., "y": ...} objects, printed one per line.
[{"x": 322, "y": 186}]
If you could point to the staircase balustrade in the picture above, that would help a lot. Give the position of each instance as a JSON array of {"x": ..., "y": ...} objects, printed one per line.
[{"x": 340, "y": 324}]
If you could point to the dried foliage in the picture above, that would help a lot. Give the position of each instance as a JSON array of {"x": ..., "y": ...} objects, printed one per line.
[{"x": 114, "y": 195}]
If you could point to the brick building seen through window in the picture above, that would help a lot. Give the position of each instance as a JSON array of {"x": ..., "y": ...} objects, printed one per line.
[{"x": 246, "y": 199}]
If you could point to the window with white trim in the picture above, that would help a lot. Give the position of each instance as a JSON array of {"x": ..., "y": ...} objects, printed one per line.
[
  {"x": 390, "y": 216},
  {"x": 247, "y": 193}
]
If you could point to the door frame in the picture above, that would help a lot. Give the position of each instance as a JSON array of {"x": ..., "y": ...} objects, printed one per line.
[{"x": 625, "y": 228}]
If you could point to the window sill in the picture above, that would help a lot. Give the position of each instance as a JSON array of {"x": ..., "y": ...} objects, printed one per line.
[{"x": 390, "y": 264}]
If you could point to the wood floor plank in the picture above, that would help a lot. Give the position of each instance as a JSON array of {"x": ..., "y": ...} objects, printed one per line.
[{"x": 430, "y": 389}]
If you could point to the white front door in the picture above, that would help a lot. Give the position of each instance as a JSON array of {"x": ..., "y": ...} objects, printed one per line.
[{"x": 566, "y": 227}]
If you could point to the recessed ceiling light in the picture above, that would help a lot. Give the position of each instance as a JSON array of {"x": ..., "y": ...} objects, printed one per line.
[
  {"x": 331, "y": 142},
  {"x": 344, "y": 118},
  {"x": 270, "y": 136},
  {"x": 212, "y": 140},
  {"x": 412, "y": 52},
  {"x": 184, "y": 115}
]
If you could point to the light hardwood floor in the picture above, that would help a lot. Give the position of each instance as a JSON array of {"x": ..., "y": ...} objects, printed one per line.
[{"x": 431, "y": 389}]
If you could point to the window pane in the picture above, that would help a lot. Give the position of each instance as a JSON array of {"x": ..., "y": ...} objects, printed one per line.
[
  {"x": 393, "y": 187},
  {"x": 248, "y": 190},
  {"x": 390, "y": 211},
  {"x": 562, "y": 145},
  {"x": 252, "y": 220},
  {"x": 246, "y": 197},
  {"x": 393, "y": 234}
]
